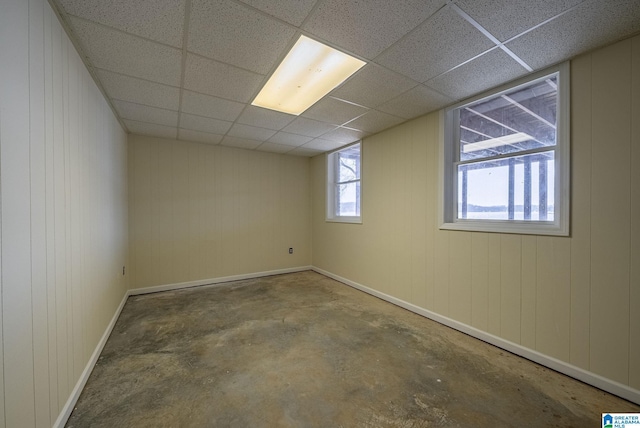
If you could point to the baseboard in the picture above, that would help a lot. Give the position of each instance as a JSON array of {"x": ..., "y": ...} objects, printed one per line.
[
  {"x": 585, "y": 376},
  {"x": 212, "y": 281},
  {"x": 84, "y": 377}
]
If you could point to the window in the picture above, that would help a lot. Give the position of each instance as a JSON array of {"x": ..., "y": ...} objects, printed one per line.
[
  {"x": 506, "y": 159},
  {"x": 344, "y": 185}
]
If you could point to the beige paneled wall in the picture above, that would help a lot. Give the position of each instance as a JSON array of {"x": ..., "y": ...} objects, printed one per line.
[
  {"x": 63, "y": 218},
  {"x": 201, "y": 212},
  {"x": 575, "y": 299}
]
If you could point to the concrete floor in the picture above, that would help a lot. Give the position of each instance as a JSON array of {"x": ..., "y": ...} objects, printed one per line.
[{"x": 302, "y": 350}]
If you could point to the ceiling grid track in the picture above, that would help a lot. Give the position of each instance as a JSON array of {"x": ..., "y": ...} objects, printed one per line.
[
  {"x": 185, "y": 44},
  {"x": 155, "y": 59},
  {"x": 490, "y": 36}
]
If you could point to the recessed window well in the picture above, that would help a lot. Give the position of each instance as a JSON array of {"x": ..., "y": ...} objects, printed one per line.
[
  {"x": 308, "y": 72},
  {"x": 344, "y": 183}
]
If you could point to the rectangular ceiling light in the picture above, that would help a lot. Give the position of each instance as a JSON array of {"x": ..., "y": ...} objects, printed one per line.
[
  {"x": 518, "y": 137},
  {"x": 308, "y": 72}
]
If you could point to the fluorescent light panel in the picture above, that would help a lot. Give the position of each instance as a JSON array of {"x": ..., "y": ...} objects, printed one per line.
[
  {"x": 518, "y": 137},
  {"x": 308, "y": 72}
]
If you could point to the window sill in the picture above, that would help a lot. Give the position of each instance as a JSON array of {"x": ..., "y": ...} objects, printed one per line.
[
  {"x": 515, "y": 227},
  {"x": 354, "y": 220}
]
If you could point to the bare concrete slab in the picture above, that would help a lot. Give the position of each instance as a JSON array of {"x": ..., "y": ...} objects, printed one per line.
[{"x": 302, "y": 350}]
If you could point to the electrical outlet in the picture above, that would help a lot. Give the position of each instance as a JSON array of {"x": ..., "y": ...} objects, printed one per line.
[{"x": 291, "y": 250}]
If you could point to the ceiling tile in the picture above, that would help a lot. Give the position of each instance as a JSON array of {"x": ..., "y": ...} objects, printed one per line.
[
  {"x": 265, "y": 118},
  {"x": 292, "y": 11},
  {"x": 334, "y": 111},
  {"x": 308, "y": 127},
  {"x": 142, "y": 113},
  {"x": 387, "y": 84},
  {"x": 344, "y": 135},
  {"x": 206, "y": 105},
  {"x": 443, "y": 42},
  {"x": 284, "y": 138},
  {"x": 150, "y": 129},
  {"x": 274, "y": 148},
  {"x": 218, "y": 79},
  {"x": 323, "y": 145},
  {"x": 240, "y": 143},
  {"x": 302, "y": 151},
  {"x": 250, "y": 132},
  {"x": 198, "y": 137},
  {"x": 497, "y": 16},
  {"x": 235, "y": 34},
  {"x": 366, "y": 28},
  {"x": 126, "y": 54},
  {"x": 139, "y": 91},
  {"x": 485, "y": 72},
  {"x": 415, "y": 102},
  {"x": 159, "y": 20},
  {"x": 204, "y": 124},
  {"x": 374, "y": 121},
  {"x": 428, "y": 56},
  {"x": 566, "y": 37}
]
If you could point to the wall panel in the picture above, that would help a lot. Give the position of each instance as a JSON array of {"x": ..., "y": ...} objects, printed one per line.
[
  {"x": 553, "y": 297},
  {"x": 480, "y": 280},
  {"x": 494, "y": 251},
  {"x": 38, "y": 213},
  {"x": 441, "y": 272},
  {"x": 200, "y": 212},
  {"x": 402, "y": 213},
  {"x": 50, "y": 22},
  {"x": 17, "y": 309},
  {"x": 374, "y": 203},
  {"x": 57, "y": 111},
  {"x": 510, "y": 287},
  {"x": 56, "y": 205},
  {"x": 460, "y": 259},
  {"x": 431, "y": 166},
  {"x": 417, "y": 211},
  {"x": 581, "y": 210},
  {"x": 634, "y": 261},
  {"x": 610, "y": 211},
  {"x": 528, "y": 278}
]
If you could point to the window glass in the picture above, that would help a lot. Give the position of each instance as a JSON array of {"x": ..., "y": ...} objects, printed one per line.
[
  {"x": 348, "y": 199},
  {"x": 518, "y": 188},
  {"x": 516, "y": 121}
]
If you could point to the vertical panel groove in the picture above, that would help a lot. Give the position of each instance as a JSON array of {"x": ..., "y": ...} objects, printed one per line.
[
  {"x": 631, "y": 206},
  {"x": 632, "y": 227},
  {"x": 634, "y": 301},
  {"x": 36, "y": 46},
  {"x": 634, "y": 332},
  {"x": 50, "y": 220},
  {"x": 2, "y": 323},
  {"x": 33, "y": 356}
]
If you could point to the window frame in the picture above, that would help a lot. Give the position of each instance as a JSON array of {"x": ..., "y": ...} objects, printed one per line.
[
  {"x": 449, "y": 155},
  {"x": 332, "y": 184}
]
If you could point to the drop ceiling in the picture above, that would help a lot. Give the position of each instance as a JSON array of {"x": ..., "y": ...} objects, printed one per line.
[{"x": 189, "y": 69}]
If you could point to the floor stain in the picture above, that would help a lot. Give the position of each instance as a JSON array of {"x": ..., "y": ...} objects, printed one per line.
[{"x": 302, "y": 350}]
